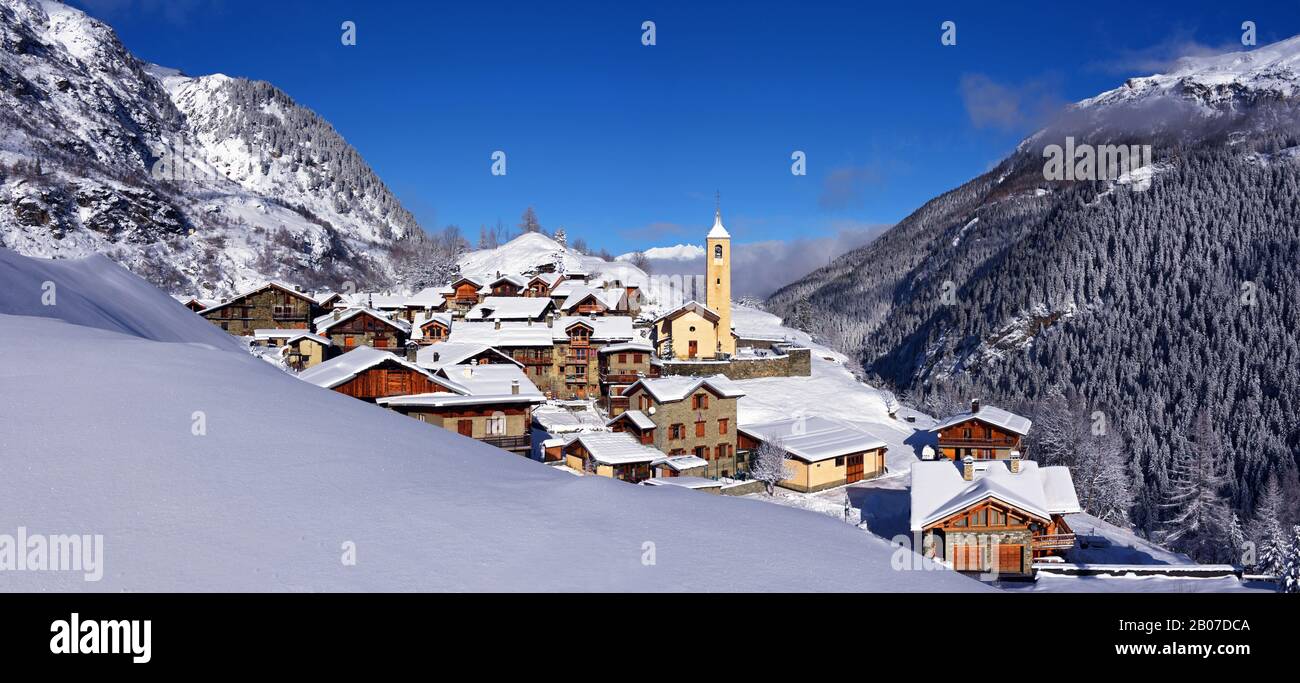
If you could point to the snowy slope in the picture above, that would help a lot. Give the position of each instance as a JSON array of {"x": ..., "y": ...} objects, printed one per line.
[
  {"x": 528, "y": 252},
  {"x": 252, "y": 186},
  {"x": 831, "y": 391},
  {"x": 97, "y": 438}
]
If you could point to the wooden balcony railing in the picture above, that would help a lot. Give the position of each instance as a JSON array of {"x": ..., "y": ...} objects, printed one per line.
[
  {"x": 1053, "y": 542},
  {"x": 509, "y": 443}
]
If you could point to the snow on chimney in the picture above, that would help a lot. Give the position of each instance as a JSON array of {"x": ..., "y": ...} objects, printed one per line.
[
  {"x": 497, "y": 324},
  {"x": 411, "y": 350},
  {"x": 927, "y": 453},
  {"x": 1015, "y": 462},
  {"x": 975, "y": 405},
  {"x": 968, "y": 468},
  {"x": 468, "y": 371},
  {"x": 514, "y": 386},
  {"x": 337, "y": 313}
]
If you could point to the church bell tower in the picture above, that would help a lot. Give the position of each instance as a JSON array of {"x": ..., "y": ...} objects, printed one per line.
[{"x": 718, "y": 287}]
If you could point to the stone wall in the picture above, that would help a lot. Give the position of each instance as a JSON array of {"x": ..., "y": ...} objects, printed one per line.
[{"x": 794, "y": 362}]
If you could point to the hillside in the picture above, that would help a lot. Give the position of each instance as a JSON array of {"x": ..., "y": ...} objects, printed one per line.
[
  {"x": 100, "y": 437},
  {"x": 1155, "y": 297},
  {"x": 201, "y": 185}
]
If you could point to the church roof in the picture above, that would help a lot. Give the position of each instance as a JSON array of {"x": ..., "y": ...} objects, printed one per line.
[{"x": 718, "y": 232}]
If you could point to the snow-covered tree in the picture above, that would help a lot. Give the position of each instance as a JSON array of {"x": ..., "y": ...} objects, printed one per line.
[
  {"x": 1289, "y": 567},
  {"x": 640, "y": 260},
  {"x": 1101, "y": 477},
  {"x": 770, "y": 464},
  {"x": 561, "y": 236}
]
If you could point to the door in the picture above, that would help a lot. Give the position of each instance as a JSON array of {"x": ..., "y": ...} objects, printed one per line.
[
  {"x": 465, "y": 427},
  {"x": 853, "y": 468},
  {"x": 1011, "y": 559},
  {"x": 693, "y": 349}
]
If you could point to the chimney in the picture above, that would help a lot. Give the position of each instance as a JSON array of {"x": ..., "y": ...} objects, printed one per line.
[
  {"x": 968, "y": 468},
  {"x": 411, "y": 349},
  {"x": 927, "y": 453},
  {"x": 468, "y": 372},
  {"x": 498, "y": 324},
  {"x": 550, "y": 320},
  {"x": 1015, "y": 462},
  {"x": 337, "y": 313},
  {"x": 975, "y": 405},
  {"x": 514, "y": 387}
]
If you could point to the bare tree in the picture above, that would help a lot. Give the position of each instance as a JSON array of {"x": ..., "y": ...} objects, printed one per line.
[
  {"x": 640, "y": 260},
  {"x": 528, "y": 222},
  {"x": 770, "y": 464}
]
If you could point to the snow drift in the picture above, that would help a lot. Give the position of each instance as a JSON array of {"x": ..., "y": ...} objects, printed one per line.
[{"x": 100, "y": 434}]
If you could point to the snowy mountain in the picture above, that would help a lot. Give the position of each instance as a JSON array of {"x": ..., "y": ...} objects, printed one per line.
[
  {"x": 201, "y": 184},
  {"x": 1154, "y": 297},
  {"x": 133, "y": 419},
  {"x": 532, "y": 251}
]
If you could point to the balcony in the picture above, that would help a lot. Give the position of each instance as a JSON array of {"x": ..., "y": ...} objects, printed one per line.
[
  {"x": 534, "y": 360},
  {"x": 575, "y": 379},
  {"x": 619, "y": 377},
  {"x": 979, "y": 442},
  {"x": 1053, "y": 542},
  {"x": 509, "y": 443}
]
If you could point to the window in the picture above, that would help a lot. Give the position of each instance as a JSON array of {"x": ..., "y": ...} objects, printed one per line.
[
  {"x": 702, "y": 452},
  {"x": 979, "y": 518},
  {"x": 717, "y": 251},
  {"x": 966, "y": 433},
  {"x": 622, "y": 359},
  {"x": 636, "y": 358},
  {"x": 996, "y": 518},
  {"x": 677, "y": 431},
  {"x": 700, "y": 402},
  {"x": 699, "y": 428},
  {"x": 722, "y": 425},
  {"x": 839, "y": 462},
  {"x": 496, "y": 425}
]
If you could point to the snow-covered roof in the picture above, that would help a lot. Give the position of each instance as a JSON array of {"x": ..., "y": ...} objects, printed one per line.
[
  {"x": 678, "y": 387},
  {"x": 616, "y": 448},
  {"x": 560, "y": 420},
  {"x": 991, "y": 415},
  {"x": 474, "y": 385},
  {"x": 939, "y": 491},
  {"x": 718, "y": 232},
  {"x": 376, "y": 300},
  {"x": 510, "y": 308},
  {"x": 278, "y": 284},
  {"x": 516, "y": 280},
  {"x": 604, "y": 328},
  {"x": 815, "y": 438},
  {"x": 328, "y": 320},
  {"x": 289, "y": 335},
  {"x": 508, "y": 335},
  {"x": 429, "y": 297},
  {"x": 442, "y": 354},
  {"x": 566, "y": 287},
  {"x": 681, "y": 463},
  {"x": 632, "y": 346},
  {"x": 576, "y": 295},
  {"x": 338, "y": 370},
  {"x": 417, "y": 329},
  {"x": 636, "y": 417},
  {"x": 684, "y": 482},
  {"x": 691, "y": 306}
]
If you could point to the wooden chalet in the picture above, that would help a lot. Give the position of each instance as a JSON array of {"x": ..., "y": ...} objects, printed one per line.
[
  {"x": 636, "y": 423},
  {"x": 508, "y": 285},
  {"x": 491, "y": 403},
  {"x": 370, "y": 374},
  {"x": 823, "y": 452},
  {"x": 431, "y": 328},
  {"x": 992, "y": 515},
  {"x": 984, "y": 433},
  {"x": 620, "y": 366},
  {"x": 467, "y": 292},
  {"x": 611, "y": 454},
  {"x": 274, "y": 305},
  {"x": 356, "y": 327},
  {"x": 539, "y": 286}
]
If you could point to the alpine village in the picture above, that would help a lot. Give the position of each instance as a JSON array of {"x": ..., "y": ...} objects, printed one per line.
[{"x": 567, "y": 368}]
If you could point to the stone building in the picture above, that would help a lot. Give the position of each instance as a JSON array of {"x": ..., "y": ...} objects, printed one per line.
[
  {"x": 692, "y": 416},
  {"x": 274, "y": 305}
]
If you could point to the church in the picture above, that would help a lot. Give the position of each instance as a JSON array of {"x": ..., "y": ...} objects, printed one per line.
[{"x": 703, "y": 331}]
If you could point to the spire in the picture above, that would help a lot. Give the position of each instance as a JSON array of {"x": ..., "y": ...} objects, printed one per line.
[{"x": 718, "y": 231}]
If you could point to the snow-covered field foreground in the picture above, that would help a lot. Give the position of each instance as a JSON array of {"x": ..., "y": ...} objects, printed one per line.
[{"x": 203, "y": 468}]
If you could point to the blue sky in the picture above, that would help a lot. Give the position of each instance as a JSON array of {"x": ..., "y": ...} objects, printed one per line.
[{"x": 625, "y": 144}]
